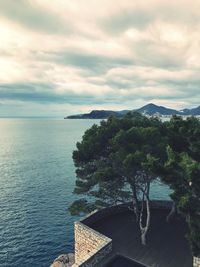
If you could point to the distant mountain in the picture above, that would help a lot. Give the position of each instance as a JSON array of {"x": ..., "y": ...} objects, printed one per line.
[
  {"x": 152, "y": 109},
  {"x": 96, "y": 114},
  {"x": 191, "y": 112},
  {"x": 149, "y": 109}
]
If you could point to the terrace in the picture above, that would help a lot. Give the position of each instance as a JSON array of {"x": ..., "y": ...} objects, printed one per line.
[
  {"x": 111, "y": 238},
  {"x": 166, "y": 242}
]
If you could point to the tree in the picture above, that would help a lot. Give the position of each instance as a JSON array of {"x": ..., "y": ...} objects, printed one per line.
[
  {"x": 182, "y": 173},
  {"x": 116, "y": 163},
  {"x": 136, "y": 153}
]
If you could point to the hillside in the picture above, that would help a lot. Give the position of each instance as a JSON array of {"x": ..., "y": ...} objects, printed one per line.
[{"x": 149, "y": 109}]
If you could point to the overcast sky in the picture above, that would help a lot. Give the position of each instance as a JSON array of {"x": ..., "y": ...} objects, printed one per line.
[{"x": 63, "y": 57}]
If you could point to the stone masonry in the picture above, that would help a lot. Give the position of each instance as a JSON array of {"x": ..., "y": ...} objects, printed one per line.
[
  {"x": 196, "y": 262},
  {"x": 90, "y": 246}
]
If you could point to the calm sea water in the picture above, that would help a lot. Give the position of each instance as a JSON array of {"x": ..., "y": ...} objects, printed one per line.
[{"x": 36, "y": 182}]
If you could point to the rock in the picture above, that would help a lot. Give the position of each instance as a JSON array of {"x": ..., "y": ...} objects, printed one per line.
[{"x": 65, "y": 260}]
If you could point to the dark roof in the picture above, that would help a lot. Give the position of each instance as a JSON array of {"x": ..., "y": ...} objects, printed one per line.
[
  {"x": 166, "y": 246},
  {"x": 119, "y": 261}
]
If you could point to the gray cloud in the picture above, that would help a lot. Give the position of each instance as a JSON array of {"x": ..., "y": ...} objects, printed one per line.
[
  {"x": 32, "y": 16},
  {"x": 141, "y": 17},
  {"x": 42, "y": 93},
  {"x": 126, "y": 19},
  {"x": 92, "y": 63}
]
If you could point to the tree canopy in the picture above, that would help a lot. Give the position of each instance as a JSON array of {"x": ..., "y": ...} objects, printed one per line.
[
  {"x": 117, "y": 161},
  {"x": 182, "y": 173}
]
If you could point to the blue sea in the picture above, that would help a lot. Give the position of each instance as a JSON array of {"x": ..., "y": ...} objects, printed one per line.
[{"x": 37, "y": 177}]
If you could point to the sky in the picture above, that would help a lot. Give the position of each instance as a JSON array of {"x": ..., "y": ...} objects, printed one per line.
[{"x": 64, "y": 57}]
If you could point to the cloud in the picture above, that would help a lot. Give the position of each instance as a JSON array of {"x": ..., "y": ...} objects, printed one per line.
[
  {"x": 46, "y": 93},
  {"x": 77, "y": 55},
  {"x": 92, "y": 63},
  {"x": 140, "y": 15},
  {"x": 32, "y": 16}
]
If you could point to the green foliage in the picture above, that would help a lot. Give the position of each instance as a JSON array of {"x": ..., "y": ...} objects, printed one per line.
[
  {"x": 182, "y": 173},
  {"x": 194, "y": 234},
  {"x": 81, "y": 206},
  {"x": 118, "y": 159},
  {"x": 112, "y": 158}
]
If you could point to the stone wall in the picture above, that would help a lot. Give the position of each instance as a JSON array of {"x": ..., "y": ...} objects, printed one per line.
[
  {"x": 90, "y": 246},
  {"x": 196, "y": 262}
]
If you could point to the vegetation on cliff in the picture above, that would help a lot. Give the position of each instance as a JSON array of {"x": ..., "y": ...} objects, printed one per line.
[
  {"x": 182, "y": 173},
  {"x": 117, "y": 161}
]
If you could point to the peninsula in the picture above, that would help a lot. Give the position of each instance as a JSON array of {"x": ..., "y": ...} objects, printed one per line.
[{"x": 149, "y": 109}]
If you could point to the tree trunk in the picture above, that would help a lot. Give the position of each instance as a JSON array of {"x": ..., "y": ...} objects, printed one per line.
[
  {"x": 136, "y": 210},
  {"x": 143, "y": 238},
  {"x": 172, "y": 213},
  {"x": 144, "y": 229},
  {"x": 135, "y": 203}
]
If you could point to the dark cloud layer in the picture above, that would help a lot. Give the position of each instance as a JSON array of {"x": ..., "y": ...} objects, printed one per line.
[
  {"x": 95, "y": 64},
  {"x": 43, "y": 94}
]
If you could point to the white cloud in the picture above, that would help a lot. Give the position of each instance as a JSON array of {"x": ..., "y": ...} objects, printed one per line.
[{"x": 102, "y": 53}]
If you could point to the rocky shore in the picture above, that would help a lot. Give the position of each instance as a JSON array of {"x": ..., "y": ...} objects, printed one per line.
[{"x": 65, "y": 260}]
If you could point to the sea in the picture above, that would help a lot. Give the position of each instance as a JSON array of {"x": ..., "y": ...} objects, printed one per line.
[{"x": 37, "y": 177}]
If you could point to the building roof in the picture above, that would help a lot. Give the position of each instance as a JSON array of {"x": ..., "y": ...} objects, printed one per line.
[
  {"x": 166, "y": 246},
  {"x": 119, "y": 261}
]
